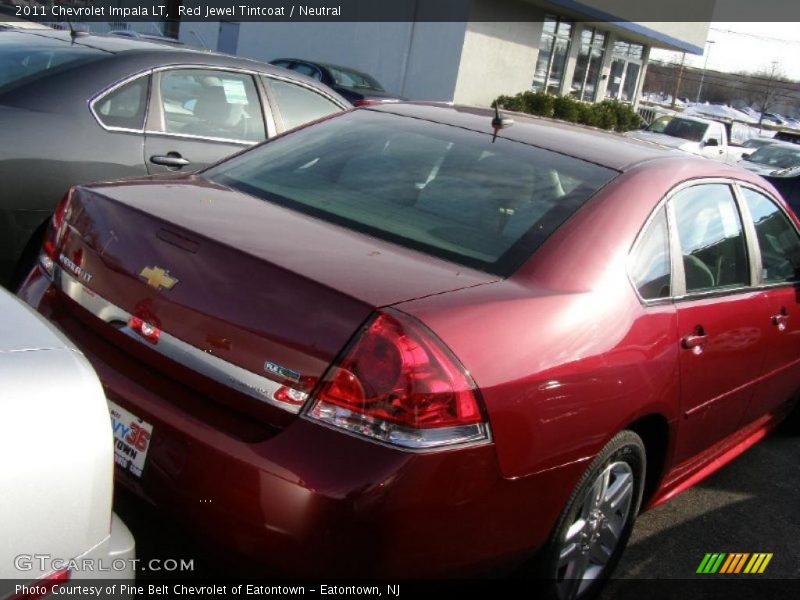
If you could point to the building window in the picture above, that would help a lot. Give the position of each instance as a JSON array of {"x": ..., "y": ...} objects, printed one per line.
[
  {"x": 587, "y": 67},
  {"x": 553, "y": 51},
  {"x": 626, "y": 66}
]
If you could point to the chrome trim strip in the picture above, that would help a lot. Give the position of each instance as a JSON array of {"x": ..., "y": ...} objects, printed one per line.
[
  {"x": 190, "y": 136},
  {"x": 206, "y": 364}
]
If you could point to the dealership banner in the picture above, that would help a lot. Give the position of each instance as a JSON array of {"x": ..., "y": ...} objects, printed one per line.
[
  {"x": 115, "y": 589},
  {"x": 120, "y": 11}
]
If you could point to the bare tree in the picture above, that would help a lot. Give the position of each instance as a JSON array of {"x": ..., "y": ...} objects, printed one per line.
[{"x": 767, "y": 91}]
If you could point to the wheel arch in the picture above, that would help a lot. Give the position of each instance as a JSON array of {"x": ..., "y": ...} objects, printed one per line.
[{"x": 655, "y": 431}]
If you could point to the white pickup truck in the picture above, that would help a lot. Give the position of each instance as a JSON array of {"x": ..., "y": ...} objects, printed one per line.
[{"x": 696, "y": 135}]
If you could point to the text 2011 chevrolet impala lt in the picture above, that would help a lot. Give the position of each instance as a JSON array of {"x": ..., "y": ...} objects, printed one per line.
[{"x": 403, "y": 342}]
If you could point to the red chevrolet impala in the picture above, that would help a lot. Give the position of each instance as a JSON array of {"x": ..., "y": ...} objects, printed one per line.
[{"x": 414, "y": 340}]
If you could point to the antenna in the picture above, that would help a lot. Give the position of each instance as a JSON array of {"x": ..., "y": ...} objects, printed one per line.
[{"x": 500, "y": 121}]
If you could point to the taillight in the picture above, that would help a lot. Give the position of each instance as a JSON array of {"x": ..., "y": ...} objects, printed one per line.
[
  {"x": 148, "y": 331},
  {"x": 55, "y": 235},
  {"x": 397, "y": 383},
  {"x": 44, "y": 587}
]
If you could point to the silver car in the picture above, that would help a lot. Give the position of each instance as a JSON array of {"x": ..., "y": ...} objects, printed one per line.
[{"x": 56, "y": 461}]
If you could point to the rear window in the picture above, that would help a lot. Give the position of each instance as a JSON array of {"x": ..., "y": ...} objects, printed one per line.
[
  {"x": 348, "y": 78},
  {"x": 686, "y": 129},
  {"x": 26, "y": 57},
  {"x": 445, "y": 190}
]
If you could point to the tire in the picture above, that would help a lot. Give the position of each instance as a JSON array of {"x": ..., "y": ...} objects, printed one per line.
[{"x": 599, "y": 529}]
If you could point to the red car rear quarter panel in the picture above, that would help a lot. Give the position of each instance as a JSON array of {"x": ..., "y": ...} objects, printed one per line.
[{"x": 564, "y": 353}]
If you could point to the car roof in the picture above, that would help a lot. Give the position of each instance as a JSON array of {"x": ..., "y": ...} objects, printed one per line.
[
  {"x": 604, "y": 148},
  {"x": 325, "y": 65},
  {"x": 113, "y": 44},
  {"x": 123, "y": 46},
  {"x": 123, "y": 56}
]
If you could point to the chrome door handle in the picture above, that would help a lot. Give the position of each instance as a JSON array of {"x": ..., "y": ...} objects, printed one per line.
[
  {"x": 172, "y": 160},
  {"x": 694, "y": 341},
  {"x": 781, "y": 320}
]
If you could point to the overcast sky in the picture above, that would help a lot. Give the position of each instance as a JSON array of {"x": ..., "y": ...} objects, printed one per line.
[{"x": 748, "y": 47}]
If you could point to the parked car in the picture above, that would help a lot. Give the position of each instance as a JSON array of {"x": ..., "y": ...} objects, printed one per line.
[
  {"x": 695, "y": 135},
  {"x": 788, "y": 136},
  {"x": 81, "y": 108},
  {"x": 157, "y": 38},
  {"x": 359, "y": 88},
  {"x": 748, "y": 147},
  {"x": 57, "y": 467},
  {"x": 778, "y": 163},
  {"x": 409, "y": 341}
]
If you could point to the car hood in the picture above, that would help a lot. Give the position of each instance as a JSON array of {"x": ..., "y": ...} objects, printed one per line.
[{"x": 762, "y": 170}]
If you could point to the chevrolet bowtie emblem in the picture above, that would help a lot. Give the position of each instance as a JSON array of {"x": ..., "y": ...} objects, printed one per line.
[{"x": 158, "y": 278}]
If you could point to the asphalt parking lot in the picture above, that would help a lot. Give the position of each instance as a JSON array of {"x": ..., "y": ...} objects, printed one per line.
[{"x": 751, "y": 505}]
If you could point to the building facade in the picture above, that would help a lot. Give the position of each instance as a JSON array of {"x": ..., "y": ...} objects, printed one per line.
[{"x": 591, "y": 50}]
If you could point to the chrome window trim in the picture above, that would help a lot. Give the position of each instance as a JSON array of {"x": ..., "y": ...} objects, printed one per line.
[
  {"x": 111, "y": 89},
  {"x": 189, "y": 136},
  {"x": 265, "y": 98},
  {"x": 223, "y": 372}
]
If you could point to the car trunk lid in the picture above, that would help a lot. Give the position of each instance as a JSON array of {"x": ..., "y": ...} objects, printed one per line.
[{"x": 251, "y": 295}]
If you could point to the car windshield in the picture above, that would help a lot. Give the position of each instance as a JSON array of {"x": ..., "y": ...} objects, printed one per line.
[
  {"x": 777, "y": 155},
  {"x": 660, "y": 124},
  {"x": 448, "y": 191},
  {"x": 348, "y": 78},
  {"x": 686, "y": 129},
  {"x": 25, "y": 57}
]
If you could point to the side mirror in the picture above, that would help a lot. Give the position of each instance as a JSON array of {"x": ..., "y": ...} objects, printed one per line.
[
  {"x": 711, "y": 142},
  {"x": 746, "y": 156}
]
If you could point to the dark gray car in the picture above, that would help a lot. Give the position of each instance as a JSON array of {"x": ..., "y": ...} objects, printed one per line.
[{"x": 82, "y": 108}]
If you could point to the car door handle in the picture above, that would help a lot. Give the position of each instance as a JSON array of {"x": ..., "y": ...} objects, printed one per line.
[
  {"x": 172, "y": 160},
  {"x": 696, "y": 341},
  {"x": 781, "y": 320}
]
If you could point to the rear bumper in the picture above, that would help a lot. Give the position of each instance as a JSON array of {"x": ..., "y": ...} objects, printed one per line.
[{"x": 308, "y": 500}]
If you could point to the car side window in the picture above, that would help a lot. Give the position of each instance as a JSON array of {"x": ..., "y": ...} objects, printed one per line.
[
  {"x": 213, "y": 104},
  {"x": 777, "y": 238},
  {"x": 712, "y": 242},
  {"x": 299, "y": 105},
  {"x": 124, "y": 107},
  {"x": 650, "y": 261}
]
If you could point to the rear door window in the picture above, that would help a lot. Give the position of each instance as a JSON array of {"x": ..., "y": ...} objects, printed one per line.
[{"x": 212, "y": 104}]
